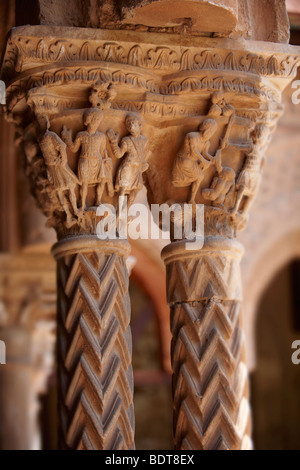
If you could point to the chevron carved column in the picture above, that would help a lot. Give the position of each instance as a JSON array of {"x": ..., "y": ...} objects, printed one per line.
[
  {"x": 210, "y": 385},
  {"x": 94, "y": 345}
]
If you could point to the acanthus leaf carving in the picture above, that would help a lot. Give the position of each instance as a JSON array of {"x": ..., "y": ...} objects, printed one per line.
[
  {"x": 208, "y": 60},
  {"x": 112, "y": 52},
  {"x": 187, "y": 61},
  {"x": 162, "y": 57},
  {"x": 136, "y": 57},
  {"x": 43, "y": 51}
]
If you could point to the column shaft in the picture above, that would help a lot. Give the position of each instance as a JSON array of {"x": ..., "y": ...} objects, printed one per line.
[
  {"x": 210, "y": 384},
  {"x": 94, "y": 345}
]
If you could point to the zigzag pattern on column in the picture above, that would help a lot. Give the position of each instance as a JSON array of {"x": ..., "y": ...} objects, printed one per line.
[
  {"x": 94, "y": 352},
  {"x": 210, "y": 381},
  {"x": 204, "y": 277}
]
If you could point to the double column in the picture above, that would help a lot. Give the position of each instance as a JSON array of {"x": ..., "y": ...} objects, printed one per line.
[{"x": 98, "y": 111}]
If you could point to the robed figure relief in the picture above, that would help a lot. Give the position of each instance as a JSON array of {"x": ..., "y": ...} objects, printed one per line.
[
  {"x": 60, "y": 176},
  {"x": 134, "y": 149},
  {"x": 94, "y": 165}
]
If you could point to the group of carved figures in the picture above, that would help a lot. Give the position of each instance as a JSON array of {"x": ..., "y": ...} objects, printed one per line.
[
  {"x": 95, "y": 167},
  {"x": 227, "y": 191}
]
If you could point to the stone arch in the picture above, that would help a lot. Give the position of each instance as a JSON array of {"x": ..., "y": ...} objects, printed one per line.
[{"x": 153, "y": 280}]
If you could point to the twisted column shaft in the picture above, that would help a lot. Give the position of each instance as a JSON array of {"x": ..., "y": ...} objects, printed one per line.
[
  {"x": 94, "y": 345},
  {"x": 210, "y": 381}
]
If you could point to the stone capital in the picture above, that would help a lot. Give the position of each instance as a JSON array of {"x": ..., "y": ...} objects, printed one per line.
[{"x": 70, "y": 92}]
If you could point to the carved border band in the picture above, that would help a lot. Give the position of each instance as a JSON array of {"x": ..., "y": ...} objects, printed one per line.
[
  {"x": 34, "y": 60},
  {"x": 18, "y": 90},
  {"x": 24, "y": 50}
]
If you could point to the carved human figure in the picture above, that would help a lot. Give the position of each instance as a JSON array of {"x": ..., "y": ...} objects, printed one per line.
[
  {"x": 36, "y": 170},
  {"x": 94, "y": 166},
  {"x": 129, "y": 179},
  {"x": 60, "y": 176},
  {"x": 222, "y": 188},
  {"x": 194, "y": 159},
  {"x": 249, "y": 179}
]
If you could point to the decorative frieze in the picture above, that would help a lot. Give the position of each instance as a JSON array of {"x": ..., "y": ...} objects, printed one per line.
[{"x": 24, "y": 51}]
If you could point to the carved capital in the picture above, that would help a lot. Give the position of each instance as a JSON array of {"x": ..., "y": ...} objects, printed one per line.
[
  {"x": 208, "y": 109},
  {"x": 98, "y": 112}
]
